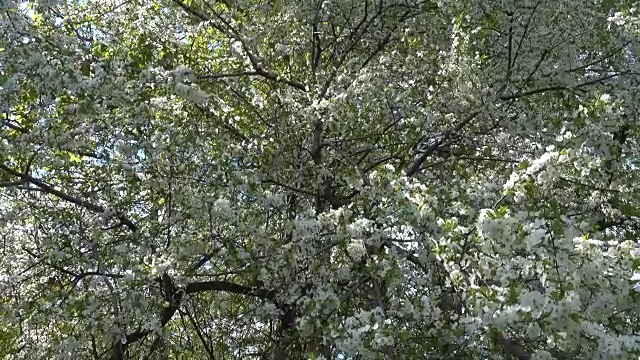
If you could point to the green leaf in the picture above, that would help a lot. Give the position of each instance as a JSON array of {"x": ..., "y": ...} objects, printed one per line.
[{"x": 523, "y": 165}]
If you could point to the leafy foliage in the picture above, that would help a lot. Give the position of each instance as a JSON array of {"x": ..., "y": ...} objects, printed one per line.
[{"x": 319, "y": 178}]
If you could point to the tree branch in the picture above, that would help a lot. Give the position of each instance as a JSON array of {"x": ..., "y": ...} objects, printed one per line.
[
  {"x": 222, "y": 76},
  {"x": 259, "y": 69},
  {"x": 202, "y": 286},
  {"x": 48, "y": 189},
  {"x": 436, "y": 144},
  {"x": 514, "y": 349},
  {"x": 557, "y": 88}
]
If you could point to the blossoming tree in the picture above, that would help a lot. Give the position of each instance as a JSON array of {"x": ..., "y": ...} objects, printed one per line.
[{"x": 338, "y": 179}]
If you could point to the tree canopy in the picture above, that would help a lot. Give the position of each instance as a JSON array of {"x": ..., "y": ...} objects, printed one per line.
[{"x": 337, "y": 179}]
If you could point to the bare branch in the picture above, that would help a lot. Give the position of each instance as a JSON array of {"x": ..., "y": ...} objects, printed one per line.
[
  {"x": 436, "y": 144},
  {"x": 558, "y": 87},
  {"x": 222, "y": 76},
  {"x": 225, "y": 286},
  {"x": 48, "y": 189},
  {"x": 12, "y": 183}
]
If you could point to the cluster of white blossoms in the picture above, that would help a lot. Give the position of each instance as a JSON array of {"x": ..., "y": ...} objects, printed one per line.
[{"x": 354, "y": 179}]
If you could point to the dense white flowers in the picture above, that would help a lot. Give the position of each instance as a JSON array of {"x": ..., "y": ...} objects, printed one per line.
[
  {"x": 403, "y": 179},
  {"x": 191, "y": 93}
]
